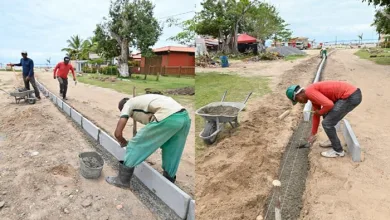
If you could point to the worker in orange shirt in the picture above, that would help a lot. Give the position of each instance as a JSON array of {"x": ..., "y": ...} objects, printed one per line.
[
  {"x": 331, "y": 99},
  {"x": 61, "y": 73}
]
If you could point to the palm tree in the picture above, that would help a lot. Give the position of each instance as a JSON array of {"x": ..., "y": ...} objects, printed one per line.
[
  {"x": 89, "y": 45},
  {"x": 360, "y": 38},
  {"x": 75, "y": 47}
]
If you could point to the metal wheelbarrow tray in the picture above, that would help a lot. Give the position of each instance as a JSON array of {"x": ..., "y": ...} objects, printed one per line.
[
  {"x": 215, "y": 122},
  {"x": 22, "y": 94}
]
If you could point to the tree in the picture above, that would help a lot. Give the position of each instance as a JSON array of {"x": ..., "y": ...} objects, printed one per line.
[
  {"x": 378, "y": 2},
  {"x": 382, "y": 21},
  {"x": 131, "y": 24},
  {"x": 48, "y": 61},
  {"x": 264, "y": 22},
  {"x": 225, "y": 19},
  {"x": 187, "y": 35},
  {"x": 360, "y": 38},
  {"x": 75, "y": 48},
  {"x": 106, "y": 46}
]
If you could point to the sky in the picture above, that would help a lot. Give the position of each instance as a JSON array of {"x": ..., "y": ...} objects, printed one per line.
[{"x": 42, "y": 26}]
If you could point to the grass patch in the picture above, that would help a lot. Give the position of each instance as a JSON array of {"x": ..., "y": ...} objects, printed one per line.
[
  {"x": 125, "y": 85},
  {"x": 210, "y": 87},
  {"x": 293, "y": 57},
  {"x": 364, "y": 54}
]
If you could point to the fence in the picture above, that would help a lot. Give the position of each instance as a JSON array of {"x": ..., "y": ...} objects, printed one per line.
[{"x": 168, "y": 70}]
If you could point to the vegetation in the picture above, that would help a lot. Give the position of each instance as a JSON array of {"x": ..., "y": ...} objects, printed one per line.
[
  {"x": 210, "y": 87},
  {"x": 78, "y": 49},
  {"x": 126, "y": 86},
  {"x": 226, "y": 19},
  {"x": 293, "y": 57},
  {"x": 381, "y": 56}
]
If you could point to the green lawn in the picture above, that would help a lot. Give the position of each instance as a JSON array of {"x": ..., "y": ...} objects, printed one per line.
[
  {"x": 364, "y": 54},
  {"x": 210, "y": 87},
  {"x": 126, "y": 85},
  {"x": 294, "y": 57}
]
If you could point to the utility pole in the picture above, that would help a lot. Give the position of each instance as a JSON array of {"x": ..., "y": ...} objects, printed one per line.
[{"x": 336, "y": 41}]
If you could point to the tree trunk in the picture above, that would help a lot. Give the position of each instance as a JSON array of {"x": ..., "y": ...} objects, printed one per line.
[
  {"x": 123, "y": 60},
  {"x": 234, "y": 38}
]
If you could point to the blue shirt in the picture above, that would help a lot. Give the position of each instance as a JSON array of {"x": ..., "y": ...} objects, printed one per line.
[{"x": 27, "y": 65}]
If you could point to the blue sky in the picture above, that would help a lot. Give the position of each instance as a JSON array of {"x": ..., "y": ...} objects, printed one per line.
[{"x": 42, "y": 26}]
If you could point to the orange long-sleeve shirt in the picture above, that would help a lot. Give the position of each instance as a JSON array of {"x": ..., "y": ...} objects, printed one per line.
[
  {"x": 63, "y": 70},
  {"x": 325, "y": 94}
]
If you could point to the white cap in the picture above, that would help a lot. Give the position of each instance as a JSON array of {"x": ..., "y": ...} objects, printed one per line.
[{"x": 25, "y": 52}]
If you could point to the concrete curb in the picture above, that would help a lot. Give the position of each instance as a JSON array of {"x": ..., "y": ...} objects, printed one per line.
[
  {"x": 176, "y": 199},
  {"x": 352, "y": 142}
]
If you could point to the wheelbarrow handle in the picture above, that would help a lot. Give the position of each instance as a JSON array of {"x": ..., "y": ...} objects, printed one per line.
[
  {"x": 223, "y": 97},
  {"x": 247, "y": 97},
  {"x": 5, "y": 92}
]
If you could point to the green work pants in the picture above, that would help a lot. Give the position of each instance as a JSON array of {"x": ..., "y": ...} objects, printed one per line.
[{"x": 170, "y": 134}]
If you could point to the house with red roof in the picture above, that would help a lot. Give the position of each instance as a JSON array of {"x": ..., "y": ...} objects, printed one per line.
[{"x": 171, "y": 59}]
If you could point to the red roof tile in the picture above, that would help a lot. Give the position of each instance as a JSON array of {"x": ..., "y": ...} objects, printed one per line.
[{"x": 176, "y": 49}]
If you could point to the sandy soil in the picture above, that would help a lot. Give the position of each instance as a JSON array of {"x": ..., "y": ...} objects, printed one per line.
[
  {"x": 39, "y": 177},
  {"x": 100, "y": 106},
  {"x": 339, "y": 188},
  {"x": 234, "y": 176},
  {"x": 272, "y": 69}
]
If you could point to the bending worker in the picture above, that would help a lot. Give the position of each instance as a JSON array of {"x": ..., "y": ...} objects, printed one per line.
[
  {"x": 27, "y": 65},
  {"x": 61, "y": 72},
  {"x": 167, "y": 126},
  {"x": 332, "y": 100}
]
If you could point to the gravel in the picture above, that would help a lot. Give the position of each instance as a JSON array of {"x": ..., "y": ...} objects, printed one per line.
[{"x": 287, "y": 51}]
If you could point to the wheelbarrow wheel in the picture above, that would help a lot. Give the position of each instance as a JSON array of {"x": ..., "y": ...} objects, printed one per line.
[
  {"x": 31, "y": 101},
  {"x": 209, "y": 129}
]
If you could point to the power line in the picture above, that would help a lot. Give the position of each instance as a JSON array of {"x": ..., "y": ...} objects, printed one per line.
[{"x": 176, "y": 15}]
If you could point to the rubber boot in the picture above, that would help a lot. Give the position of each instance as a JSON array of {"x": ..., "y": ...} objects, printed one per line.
[
  {"x": 166, "y": 175},
  {"x": 123, "y": 178}
]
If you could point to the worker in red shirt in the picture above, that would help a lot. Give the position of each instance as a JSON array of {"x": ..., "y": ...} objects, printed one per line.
[
  {"x": 331, "y": 99},
  {"x": 61, "y": 73}
]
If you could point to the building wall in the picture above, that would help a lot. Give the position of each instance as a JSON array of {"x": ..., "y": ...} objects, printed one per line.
[{"x": 180, "y": 59}]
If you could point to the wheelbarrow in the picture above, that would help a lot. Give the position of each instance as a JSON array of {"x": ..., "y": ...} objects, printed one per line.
[
  {"x": 215, "y": 121},
  {"x": 22, "y": 94}
]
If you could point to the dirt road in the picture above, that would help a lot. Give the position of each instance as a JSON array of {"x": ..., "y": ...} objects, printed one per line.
[
  {"x": 234, "y": 177},
  {"x": 100, "y": 105},
  {"x": 339, "y": 188},
  {"x": 39, "y": 177},
  {"x": 271, "y": 69}
]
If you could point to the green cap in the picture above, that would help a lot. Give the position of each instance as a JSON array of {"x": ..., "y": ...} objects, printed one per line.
[{"x": 290, "y": 93}]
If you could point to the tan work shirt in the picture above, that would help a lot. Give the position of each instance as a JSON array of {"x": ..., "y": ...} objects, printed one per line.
[{"x": 150, "y": 107}]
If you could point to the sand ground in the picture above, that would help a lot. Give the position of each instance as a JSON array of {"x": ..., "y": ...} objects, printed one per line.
[
  {"x": 234, "y": 176},
  {"x": 39, "y": 177},
  {"x": 339, "y": 188},
  {"x": 100, "y": 106}
]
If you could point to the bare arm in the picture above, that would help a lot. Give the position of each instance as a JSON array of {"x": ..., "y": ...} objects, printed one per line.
[{"x": 119, "y": 131}]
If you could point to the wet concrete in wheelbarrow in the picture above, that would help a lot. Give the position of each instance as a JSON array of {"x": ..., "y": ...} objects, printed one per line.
[{"x": 293, "y": 176}]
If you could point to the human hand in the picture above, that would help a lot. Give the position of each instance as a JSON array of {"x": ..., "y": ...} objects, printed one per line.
[
  {"x": 27, "y": 78},
  {"x": 55, "y": 77},
  {"x": 74, "y": 79}
]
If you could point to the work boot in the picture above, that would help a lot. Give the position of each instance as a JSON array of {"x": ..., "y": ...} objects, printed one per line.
[
  {"x": 166, "y": 175},
  {"x": 123, "y": 178},
  {"x": 326, "y": 144}
]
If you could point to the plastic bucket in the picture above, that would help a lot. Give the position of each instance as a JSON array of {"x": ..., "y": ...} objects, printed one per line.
[
  {"x": 91, "y": 172},
  {"x": 224, "y": 61}
]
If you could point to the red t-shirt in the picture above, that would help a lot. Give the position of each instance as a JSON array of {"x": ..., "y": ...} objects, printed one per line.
[
  {"x": 63, "y": 70},
  {"x": 325, "y": 94}
]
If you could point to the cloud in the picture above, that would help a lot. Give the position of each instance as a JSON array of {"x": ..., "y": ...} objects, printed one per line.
[{"x": 43, "y": 26}]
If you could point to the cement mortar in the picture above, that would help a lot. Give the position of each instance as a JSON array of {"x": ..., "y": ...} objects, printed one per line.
[
  {"x": 92, "y": 162},
  {"x": 291, "y": 200},
  {"x": 220, "y": 110}
]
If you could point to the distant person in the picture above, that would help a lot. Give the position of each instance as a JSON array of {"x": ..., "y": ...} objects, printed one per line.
[
  {"x": 331, "y": 99},
  {"x": 167, "y": 127},
  {"x": 27, "y": 65},
  {"x": 61, "y": 72}
]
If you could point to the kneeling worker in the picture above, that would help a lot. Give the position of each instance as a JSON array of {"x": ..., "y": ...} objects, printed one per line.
[
  {"x": 167, "y": 127},
  {"x": 331, "y": 99}
]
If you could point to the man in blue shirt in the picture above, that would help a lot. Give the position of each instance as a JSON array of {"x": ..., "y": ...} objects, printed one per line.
[{"x": 28, "y": 73}]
